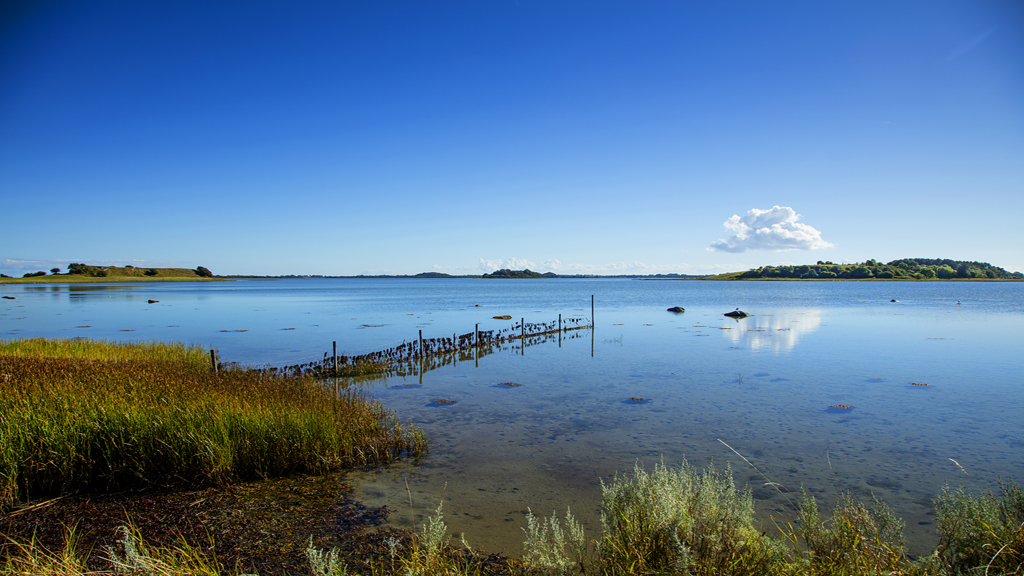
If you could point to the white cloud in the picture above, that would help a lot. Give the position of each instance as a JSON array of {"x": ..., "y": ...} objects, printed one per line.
[
  {"x": 509, "y": 264},
  {"x": 773, "y": 229}
]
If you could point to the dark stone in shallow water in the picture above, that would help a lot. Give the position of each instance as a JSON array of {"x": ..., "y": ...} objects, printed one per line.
[
  {"x": 737, "y": 314},
  {"x": 677, "y": 309}
]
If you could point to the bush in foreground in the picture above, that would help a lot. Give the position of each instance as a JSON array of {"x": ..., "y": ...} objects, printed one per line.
[
  {"x": 981, "y": 533},
  {"x": 683, "y": 521}
]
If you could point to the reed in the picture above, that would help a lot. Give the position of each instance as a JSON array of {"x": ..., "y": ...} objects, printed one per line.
[
  {"x": 102, "y": 416},
  {"x": 182, "y": 355}
]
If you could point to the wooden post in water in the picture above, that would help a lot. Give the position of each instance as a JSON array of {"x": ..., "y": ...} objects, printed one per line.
[
  {"x": 591, "y": 310},
  {"x": 334, "y": 345},
  {"x": 421, "y": 344},
  {"x": 476, "y": 336},
  {"x": 213, "y": 360},
  {"x": 522, "y": 337},
  {"x": 559, "y": 330}
]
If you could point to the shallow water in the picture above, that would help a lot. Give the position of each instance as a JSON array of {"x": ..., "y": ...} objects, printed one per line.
[{"x": 763, "y": 384}]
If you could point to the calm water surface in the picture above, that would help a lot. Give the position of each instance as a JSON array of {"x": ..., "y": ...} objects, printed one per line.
[{"x": 762, "y": 384}]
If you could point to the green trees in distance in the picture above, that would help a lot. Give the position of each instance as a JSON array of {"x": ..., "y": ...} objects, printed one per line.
[
  {"x": 506, "y": 273},
  {"x": 78, "y": 268},
  {"x": 906, "y": 268}
]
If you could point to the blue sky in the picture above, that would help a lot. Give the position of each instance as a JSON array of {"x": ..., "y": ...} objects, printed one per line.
[{"x": 598, "y": 137}]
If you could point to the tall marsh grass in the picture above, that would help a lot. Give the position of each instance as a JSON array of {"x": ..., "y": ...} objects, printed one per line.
[
  {"x": 183, "y": 355},
  {"x": 104, "y": 416}
]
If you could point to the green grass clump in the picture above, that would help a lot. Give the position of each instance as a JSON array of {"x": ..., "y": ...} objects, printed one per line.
[
  {"x": 181, "y": 355},
  {"x": 857, "y": 539},
  {"x": 683, "y": 521},
  {"x": 981, "y": 534},
  {"x": 100, "y": 416}
]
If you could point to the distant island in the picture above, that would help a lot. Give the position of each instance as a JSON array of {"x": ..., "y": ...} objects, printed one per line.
[
  {"x": 504, "y": 273},
  {"x": 905, "y": 269},
  {"x": 83, "y": 273}
]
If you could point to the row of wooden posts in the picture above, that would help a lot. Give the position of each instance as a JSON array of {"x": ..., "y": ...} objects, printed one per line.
[{"x": 422, "y": 348}]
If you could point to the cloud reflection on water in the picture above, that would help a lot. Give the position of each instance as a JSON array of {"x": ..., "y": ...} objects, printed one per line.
[{"x": 778, "y": 332}]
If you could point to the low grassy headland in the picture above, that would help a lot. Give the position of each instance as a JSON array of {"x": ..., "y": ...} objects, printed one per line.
[
  {"x": 96, "y": 416},
  {"x": 905, "y": 269},
  {"x": 82, "y": 273}
]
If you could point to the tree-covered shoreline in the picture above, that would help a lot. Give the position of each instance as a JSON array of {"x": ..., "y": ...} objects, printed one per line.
[{"x": 903, "y": 269}]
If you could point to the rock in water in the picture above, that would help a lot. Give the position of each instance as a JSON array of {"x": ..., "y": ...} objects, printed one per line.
[
  {"x": 677, "y": 309},
  {"x": 737, "y": 313}
]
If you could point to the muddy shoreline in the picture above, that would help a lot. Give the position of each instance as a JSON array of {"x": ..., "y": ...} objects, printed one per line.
[{"x": 255, "y": 527}]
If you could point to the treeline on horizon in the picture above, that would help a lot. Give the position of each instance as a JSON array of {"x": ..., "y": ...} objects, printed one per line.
[
  {"x": 503, "y": 273},
  {"x": 78, "y": 269},
  {"x": 904, "y": 269}
]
